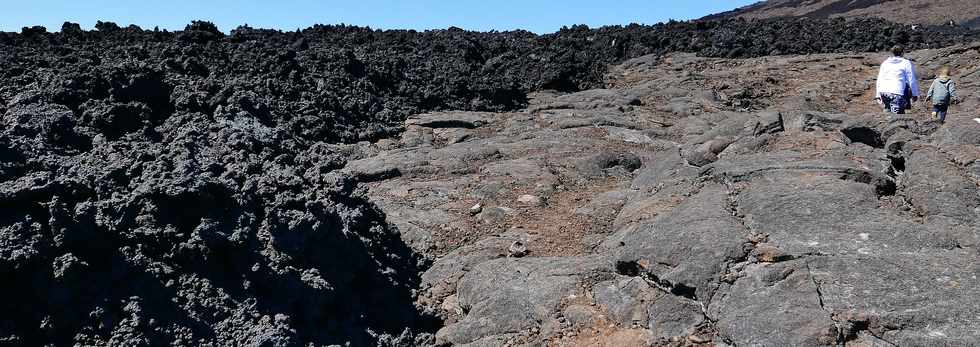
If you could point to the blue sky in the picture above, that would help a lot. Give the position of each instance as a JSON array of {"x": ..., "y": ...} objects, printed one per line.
[{"x": 536, "y": 16}]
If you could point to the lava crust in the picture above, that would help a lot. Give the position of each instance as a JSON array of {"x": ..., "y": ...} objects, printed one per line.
[{"x": 184, "y": 188}]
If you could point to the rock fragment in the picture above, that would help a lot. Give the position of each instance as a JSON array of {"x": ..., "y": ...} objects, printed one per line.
[
  {"x": 517, "y": 249},
  {"x": 768, "y": 123},
  {"x": 530, "y": 200}
]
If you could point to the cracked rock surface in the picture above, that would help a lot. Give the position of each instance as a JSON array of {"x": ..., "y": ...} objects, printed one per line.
[
  {"x": 800, "y": 218},
  {"x": 347, "y": 186}
]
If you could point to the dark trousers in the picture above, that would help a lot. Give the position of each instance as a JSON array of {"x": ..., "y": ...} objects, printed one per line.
[
  {"x": 940, "y": 111},
  {"x": 894, "y": 103}
]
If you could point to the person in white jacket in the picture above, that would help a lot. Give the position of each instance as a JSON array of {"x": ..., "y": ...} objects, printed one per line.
[{"x": 897, "y": 83}]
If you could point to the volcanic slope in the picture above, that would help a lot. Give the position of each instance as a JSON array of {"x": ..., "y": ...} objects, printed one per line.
[
  {"x": 935, "y": 12},
  {"x": 195, "y": 188},
  {"x": 697, "y": 202}
]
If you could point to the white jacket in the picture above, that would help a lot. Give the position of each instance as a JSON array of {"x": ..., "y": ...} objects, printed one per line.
[{"x": 895, "y": 74}]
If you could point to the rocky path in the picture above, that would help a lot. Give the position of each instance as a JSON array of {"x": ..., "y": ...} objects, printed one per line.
[{"x": 696, "y": 202}]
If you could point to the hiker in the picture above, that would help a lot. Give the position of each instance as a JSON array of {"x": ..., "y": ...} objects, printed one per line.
[
  {"x": 942, "y": 93},
  {"x": 897, "y": 86}
]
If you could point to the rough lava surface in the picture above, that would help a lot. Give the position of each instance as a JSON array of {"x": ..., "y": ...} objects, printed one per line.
[{"x": 342, "y": 185}]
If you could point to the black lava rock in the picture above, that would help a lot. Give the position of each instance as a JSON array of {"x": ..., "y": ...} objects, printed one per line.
[{"x": 162, "y": 188}]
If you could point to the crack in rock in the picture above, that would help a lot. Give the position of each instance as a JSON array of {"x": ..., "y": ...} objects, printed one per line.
[{"x": 816, "y": 284}]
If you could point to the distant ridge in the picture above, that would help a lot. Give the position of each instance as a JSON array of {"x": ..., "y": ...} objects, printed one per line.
[{"x": 934, "y": 12}]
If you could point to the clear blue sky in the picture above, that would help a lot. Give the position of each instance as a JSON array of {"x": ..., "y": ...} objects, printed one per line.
[{"x": 536, "y": 16}]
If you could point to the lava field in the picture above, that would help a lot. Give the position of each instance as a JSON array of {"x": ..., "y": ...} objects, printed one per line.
[{"x": 185, "y": 188}]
